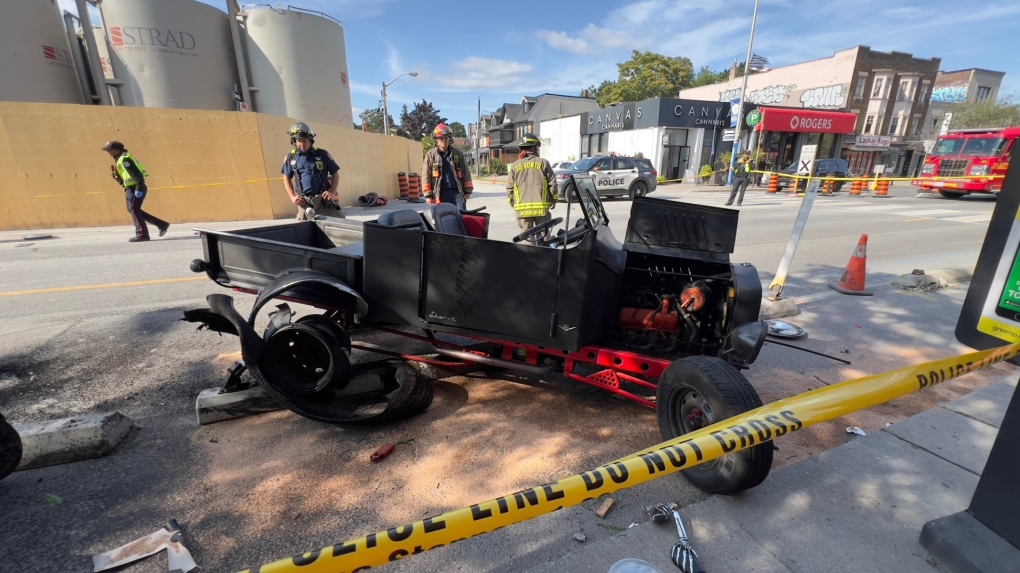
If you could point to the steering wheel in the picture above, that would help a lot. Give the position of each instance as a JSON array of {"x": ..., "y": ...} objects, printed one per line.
[
  {"x": 537, "y": 230},
  {"x": 563, "y": 239}
]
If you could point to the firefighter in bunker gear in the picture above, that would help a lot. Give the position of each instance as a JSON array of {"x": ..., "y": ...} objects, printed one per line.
[
  {"x": 531, "y": 186},
  {"x": 445, "y": 176}
]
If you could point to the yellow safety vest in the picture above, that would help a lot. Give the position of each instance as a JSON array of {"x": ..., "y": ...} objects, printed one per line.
[{"x": 125, "y": 176}]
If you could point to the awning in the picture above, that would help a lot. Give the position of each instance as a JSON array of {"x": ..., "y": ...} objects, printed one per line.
[{"x": 806, "y": 121}]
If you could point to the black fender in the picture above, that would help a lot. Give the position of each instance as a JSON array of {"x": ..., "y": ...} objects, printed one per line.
[
  {"x": 747, "y": 288},
  {"x": 290, "y": 279},
  {"x": 251, "y": 343}
]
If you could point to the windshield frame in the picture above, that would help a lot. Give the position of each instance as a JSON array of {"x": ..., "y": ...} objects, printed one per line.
[
  {"x": 958, "y": 142},
  {"x": 588, "y": 199},
  {"x": 997, "y": 148}
]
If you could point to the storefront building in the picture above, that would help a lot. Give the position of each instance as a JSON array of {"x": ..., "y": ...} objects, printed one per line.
[
  {"x": 677, "y": 135},
  {"x": 888, "y": 93},
  {"x": 778, "y": 134}
]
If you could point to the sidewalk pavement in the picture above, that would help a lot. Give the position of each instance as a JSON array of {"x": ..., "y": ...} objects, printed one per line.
[{"x": 858, "y": 507}]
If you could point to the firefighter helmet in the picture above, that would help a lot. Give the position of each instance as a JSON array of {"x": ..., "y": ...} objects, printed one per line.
[
  {"x": 442, "y": 131},
  {"x": 530, "y": 140},
  {"x": 301, "y": 129}
]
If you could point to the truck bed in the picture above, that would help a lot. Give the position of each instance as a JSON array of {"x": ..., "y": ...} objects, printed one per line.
[{"x": 250, "y": 258}]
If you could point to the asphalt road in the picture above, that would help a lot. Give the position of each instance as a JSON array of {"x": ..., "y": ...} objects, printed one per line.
[{"x": 92, "y": 326}]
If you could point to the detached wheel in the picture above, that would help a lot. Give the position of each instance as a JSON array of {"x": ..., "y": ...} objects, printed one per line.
[
  {"x": 699, "y": 391},
  {"x": 950, "y": 194},
  {"x": 638, "y": 189},
  {"x": 10, "y": 448},
  {"x": 305, "y": 359}
]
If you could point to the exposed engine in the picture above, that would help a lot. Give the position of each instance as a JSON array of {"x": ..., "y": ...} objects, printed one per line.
[{"x": 672, "y": 310}]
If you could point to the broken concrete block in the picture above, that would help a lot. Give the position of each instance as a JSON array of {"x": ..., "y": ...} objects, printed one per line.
[
  {"x": 71, "y": 439},
  {"x": 777, "y": 308}
]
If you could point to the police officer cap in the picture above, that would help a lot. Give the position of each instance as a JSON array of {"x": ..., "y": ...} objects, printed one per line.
[{"x": 113, "y": 145}]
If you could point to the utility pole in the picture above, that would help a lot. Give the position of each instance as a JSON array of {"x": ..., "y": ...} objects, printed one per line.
[
  {"x": 743, "y": 88},
  {"x": 478, "y": 137}
]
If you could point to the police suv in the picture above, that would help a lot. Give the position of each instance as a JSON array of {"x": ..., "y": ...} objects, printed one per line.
[{"x": 614, "y": 175}]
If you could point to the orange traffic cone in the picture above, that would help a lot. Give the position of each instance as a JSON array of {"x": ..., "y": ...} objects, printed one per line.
[{"x": 852, "y": 281}]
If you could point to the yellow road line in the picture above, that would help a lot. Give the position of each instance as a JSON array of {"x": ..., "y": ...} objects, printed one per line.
[{"x": 97, "y": 287}]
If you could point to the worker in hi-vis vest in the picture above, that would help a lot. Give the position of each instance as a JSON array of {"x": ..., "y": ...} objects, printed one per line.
[
  {"x": 531, "y": 186},
  {"x": 129, "y": 172}
]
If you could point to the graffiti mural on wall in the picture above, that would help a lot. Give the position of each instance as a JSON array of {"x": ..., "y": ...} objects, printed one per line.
[
  {"x": 827, "y": 97},
  {"x": 765, "y": 95},
  {"x": 950, "y": 94}
]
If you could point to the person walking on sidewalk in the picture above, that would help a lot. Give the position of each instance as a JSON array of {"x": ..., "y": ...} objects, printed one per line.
[
  {"x": 447, "y": 179},
  {"x": 741, "y": 179},
  {"x": 531, "y": 186},
  {"x": 129, "y": 172},
  {"x": 317, "y": 174}
]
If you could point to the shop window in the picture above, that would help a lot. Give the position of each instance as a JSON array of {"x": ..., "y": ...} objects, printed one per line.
[
  {"x": 983, "y": 93},
  {"x": 879, "y": 84},
  {"x": 869, "y": 124}
]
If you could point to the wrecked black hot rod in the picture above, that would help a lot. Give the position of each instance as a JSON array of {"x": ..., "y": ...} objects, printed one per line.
[{"x": 663, "y": 318}]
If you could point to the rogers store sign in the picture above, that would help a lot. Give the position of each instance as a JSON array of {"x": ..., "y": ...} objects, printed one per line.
[{"x": 806, "y": 121}]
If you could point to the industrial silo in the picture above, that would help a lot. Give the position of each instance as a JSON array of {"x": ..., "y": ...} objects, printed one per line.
[
  {"x": 35, "y": 58},
  {"x": 171, "y": 53},
  {"x": 298, "y": 64}
]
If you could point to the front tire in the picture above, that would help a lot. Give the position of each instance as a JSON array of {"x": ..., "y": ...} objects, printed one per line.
[
  {"x": 699, "y": 391},
  {"x": 950, "y": 194},
  {"x": 10, "y": 448}
]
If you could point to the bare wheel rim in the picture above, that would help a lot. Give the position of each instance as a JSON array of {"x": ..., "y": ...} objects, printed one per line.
[{"x": 298, "y": 361}]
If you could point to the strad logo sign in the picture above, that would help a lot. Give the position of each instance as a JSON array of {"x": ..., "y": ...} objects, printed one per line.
[
  {"x": 813, "y": 123},
  {"x": 145, "y": 39}
]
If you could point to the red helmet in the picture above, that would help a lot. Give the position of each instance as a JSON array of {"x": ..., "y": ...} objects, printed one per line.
[{"x": 442, "y": 130}]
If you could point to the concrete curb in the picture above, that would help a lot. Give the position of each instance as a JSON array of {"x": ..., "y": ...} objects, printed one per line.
[
  {"x": 777, "y": 308},
  {"x": 71, "y": 439},
  {"x": 952, "y": 275}
]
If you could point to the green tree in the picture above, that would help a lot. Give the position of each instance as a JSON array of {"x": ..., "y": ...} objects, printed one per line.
[
  {"x": 458, "y": 129},
  {"x": 420, "y": 121},
  {"x": 372, "y": 120},
  {"x": 598, "y": 93},
  {"x": 988, "y": 113},
  {"x": 427, "y": 143},
  {"x": 707, "y": 77},
  {"x": 647, "y": 75}
]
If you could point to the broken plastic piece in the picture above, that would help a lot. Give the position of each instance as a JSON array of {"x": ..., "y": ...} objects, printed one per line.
[
  {"x": 383, "y": 451},
  {"x": 580, "y": 537},
  {"x": 169, "y": 538},
  {"x": 856, "y": 430}
]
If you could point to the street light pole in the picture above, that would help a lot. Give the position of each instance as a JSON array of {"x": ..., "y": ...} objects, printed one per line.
[
  {"x": 385, "y": 109},
  {"x": 743, "y": 88}
]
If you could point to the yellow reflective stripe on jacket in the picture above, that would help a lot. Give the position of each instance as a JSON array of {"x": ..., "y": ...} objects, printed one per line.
[
  {"x": 533, "y": 209},
  {"x": 125, "y": 175}
]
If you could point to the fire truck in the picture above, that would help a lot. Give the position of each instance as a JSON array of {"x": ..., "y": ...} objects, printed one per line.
[{"x": 968, "y": 161}]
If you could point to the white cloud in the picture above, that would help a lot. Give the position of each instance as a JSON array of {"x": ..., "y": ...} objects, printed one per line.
[
  {"x": 480, "y": 74},
  {"x": 611, "y": 39},
  {"x": 563, "y": 41}
]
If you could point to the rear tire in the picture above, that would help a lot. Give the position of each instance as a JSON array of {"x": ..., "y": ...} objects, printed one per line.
[
  {"x": 638, "y": 189},
  {"x": 950, "y": 194},
  {"x": 708, "y": 390}
]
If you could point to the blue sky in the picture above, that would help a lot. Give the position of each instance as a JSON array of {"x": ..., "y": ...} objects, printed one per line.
[{"x": 500, "y": 51}]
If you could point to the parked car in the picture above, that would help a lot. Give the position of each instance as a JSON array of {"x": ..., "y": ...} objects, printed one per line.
[
  {"x": 822, "y": 168},
  {"x": 614, "y": 175},
  {"x": 562, "y": 165}
]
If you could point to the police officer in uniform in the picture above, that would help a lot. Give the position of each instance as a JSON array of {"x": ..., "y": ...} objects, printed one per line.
[
  {"x": 531, "y": 186},
  {"x": 741, "y": 179},
  {"x": 317, "y": 174},
  {"x": 129, "y": 172}
]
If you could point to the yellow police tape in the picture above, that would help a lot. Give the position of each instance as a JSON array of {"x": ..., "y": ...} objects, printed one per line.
[
  {"x": 981, "y": 178},
  {"x": 734, "y": 434},
  {"x": 121, "y": 190}
]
